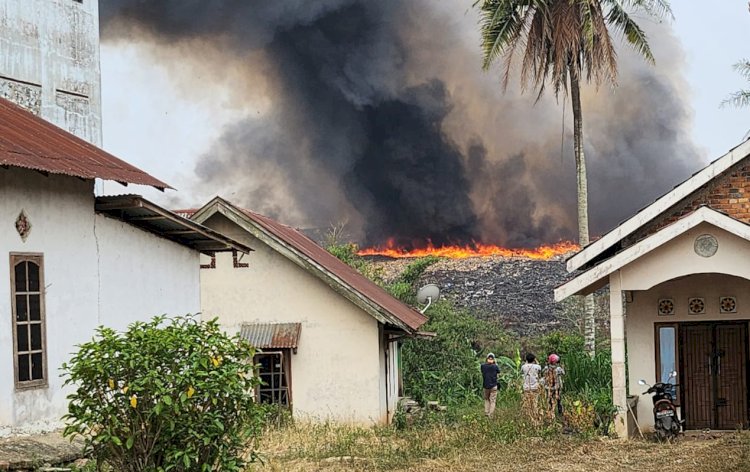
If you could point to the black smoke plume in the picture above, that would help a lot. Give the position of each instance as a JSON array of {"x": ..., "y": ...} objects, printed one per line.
[{"x": 379, "y": 113}]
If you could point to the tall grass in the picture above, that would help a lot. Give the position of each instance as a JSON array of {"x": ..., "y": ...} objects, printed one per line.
[{"x": 584, "y": 373}]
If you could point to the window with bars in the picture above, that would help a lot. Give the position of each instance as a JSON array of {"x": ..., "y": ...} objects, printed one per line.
[
  {"x": 27, "y": 289},
  {"x": 274, "y": 370}
]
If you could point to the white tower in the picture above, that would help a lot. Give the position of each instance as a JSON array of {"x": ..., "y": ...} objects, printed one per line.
[{"x": 49, "y": 62}]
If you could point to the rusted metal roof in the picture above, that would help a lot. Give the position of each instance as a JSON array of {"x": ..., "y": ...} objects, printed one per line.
[
  {"x": 335, "y": 271},
  {"x": 31, "y": 142},
  {"x": 271, "y": 335},
  {"x": 148, "y": 216}
]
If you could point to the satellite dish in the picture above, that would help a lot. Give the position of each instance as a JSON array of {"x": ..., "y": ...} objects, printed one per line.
[{"x": 428, "y": 294}]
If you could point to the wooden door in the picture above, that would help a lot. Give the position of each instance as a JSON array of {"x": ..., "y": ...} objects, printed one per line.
[
  {"x": 696, "y": 347},
  {"x": 714, "y": 375},
  {"x": 731, "y": 376}
]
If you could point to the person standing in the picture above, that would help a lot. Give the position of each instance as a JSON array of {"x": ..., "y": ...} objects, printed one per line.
[
  {"x": 553, "y": 383},
  {"x": 490, "y": 371},
  {"x": 530, "y": 371}
]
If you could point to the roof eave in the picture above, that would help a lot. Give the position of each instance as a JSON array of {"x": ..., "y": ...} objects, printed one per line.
[
  {"x": 663, "y": 203},
  {"x": 227, "y": 209},
  {"x": 596, "y": 276},
  {"x": 210, "y": 242}
]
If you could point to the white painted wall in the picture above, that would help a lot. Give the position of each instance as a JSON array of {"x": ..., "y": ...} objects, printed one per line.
[
  {"x": 96, "y": 271},
  {"x": 143, "y": 275},
  {"x": 676, "y": 271},
  {"x": 49, "y": 62},
  {"x": 338, "y": 372}
]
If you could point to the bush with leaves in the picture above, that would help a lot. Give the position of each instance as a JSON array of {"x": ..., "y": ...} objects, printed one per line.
[
  {"x": 446, "y": 368},
  {"x": 166, "y": 395}
]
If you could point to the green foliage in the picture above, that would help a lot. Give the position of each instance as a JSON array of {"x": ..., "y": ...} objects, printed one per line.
[
  {"x": 446, "y": 368},
  {"x": 404, "y": 286},
  {"x": 167, "y": 395},
  {"x": 561, "y": 343},
  {"x": 347, "y": 253},
  {"x": 413, "y": 271}
]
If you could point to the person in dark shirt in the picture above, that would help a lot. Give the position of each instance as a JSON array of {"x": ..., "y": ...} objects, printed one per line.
[{"x": 490, "y": 370}]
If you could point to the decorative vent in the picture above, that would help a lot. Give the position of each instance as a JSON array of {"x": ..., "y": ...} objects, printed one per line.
[
  {"x": 728, "y": 305},
  {"x": 696, "y": 306},
  {"x": 666, "y": 307},
  {"x": 23, "y": 225},
  {"x": 706, "y": 245}
]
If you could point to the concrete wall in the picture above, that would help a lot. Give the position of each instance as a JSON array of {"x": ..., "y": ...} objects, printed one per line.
[
  {"x": 675, "y": 271},
  {"x": 338, "y": 372},
  {"x": 49, "y": 62},
  {"x": 96, "y": 271},
  {"x": 143, "y": 275}
]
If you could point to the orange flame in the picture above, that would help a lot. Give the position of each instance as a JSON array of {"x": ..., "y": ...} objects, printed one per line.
[{"x": 474, "y": 250}]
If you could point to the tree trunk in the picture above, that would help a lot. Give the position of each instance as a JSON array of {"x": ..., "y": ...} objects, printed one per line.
[{"x": 589, "y": 323}]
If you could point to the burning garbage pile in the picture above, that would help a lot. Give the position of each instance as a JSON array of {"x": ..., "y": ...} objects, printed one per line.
[
  {"x": 513, "y": 286},
  {"x": 473, "y": 250}
]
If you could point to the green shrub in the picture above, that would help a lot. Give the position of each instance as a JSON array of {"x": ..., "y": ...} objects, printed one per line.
[
  {"x": 347, "y": 253},
  {"x": 167, "y": 395},
  {"x": 446, "y": 368}
]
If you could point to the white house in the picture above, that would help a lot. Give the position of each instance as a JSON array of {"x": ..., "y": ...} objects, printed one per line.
[
  {"x": 679, "y": 280},
  {"x": 329, "y": 336},
  {"x": 70, "y": 261}
]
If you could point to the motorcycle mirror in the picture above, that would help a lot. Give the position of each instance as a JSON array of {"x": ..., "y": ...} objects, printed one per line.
[
  {"x": 642, "y": 382},
  {"x": 673, "y": 374}
]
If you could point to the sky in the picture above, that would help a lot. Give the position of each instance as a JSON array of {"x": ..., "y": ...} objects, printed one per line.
[{"x": 153, "y": 122}]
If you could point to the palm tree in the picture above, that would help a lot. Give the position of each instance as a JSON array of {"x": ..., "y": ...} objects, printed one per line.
[
  {"x": 565, "y": 42},
  {"x": 741, "y": 98}
]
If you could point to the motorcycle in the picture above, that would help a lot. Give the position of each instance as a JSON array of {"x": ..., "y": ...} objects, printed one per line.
[{"x": 667, "y": 424}]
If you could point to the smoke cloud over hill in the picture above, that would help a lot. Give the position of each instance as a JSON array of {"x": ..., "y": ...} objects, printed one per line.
[{"x": 379, "y": 113}]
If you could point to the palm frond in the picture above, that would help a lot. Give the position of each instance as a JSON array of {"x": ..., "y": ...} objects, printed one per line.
[
  {"x": 561, "y": 39},
  {"x": 499, "y": 22},
  {"x": 743, "y": 67},
  {"x": 622, "y": 22},
  {"x": 532, "y": 16},
  {"x": 654, "y": 8},
  {"x": 738, "y": 99}
]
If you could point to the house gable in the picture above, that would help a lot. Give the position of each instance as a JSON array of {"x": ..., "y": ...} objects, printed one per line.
[
  {"x": 728, "y": 193},
  {"x": 598, "y": 275},
  {"x": 695, "y": 191},
  {"x": 305, "y": 253}
]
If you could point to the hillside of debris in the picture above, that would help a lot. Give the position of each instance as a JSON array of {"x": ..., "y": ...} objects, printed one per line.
[{"x": 516, "y": 292}]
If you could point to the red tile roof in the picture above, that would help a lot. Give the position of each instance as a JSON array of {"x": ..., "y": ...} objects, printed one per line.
[
  {"x": 31, "y": 142},
  {"x": 330, "y": 263}
]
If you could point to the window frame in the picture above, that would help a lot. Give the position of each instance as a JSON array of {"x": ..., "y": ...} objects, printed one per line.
[
  {"x": 38, "y": 259},
  {"x": 657, "y": 357},
  {"x": 286, "y": 366}
]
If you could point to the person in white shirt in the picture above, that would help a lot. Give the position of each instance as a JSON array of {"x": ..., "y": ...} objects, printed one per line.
[{"x": 530, "y": 371}]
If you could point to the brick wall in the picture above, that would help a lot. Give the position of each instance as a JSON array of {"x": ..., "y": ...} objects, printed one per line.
[{"x": 728, "y": 193}]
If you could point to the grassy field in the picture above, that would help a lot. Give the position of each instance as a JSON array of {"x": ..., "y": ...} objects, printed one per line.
[{"x": 470, "y": 446}]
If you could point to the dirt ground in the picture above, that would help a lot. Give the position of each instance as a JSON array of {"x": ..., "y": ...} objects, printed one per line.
[{"x": 706, "y": 453}]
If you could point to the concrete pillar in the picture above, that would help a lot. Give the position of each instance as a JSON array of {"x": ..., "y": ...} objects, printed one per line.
[{"x": 617, "y": 336}]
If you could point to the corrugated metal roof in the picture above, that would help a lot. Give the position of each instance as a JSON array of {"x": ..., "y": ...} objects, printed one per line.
[
  {"x": 31, "y": 142},
  {"x": 148, "y": 216},
  {"x": 344, "y": 274},
  {"x": 271, "y": 335}
]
